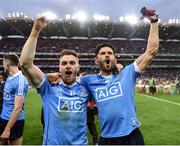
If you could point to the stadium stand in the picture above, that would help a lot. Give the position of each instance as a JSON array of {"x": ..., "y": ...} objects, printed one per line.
[{"x": 130, "y": 41}]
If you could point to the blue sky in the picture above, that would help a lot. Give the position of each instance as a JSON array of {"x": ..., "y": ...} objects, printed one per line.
[{"x": 167, "y": 9}]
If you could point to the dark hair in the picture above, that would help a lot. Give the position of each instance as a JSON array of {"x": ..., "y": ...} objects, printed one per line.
[
  {"x": 13, "y": 58},
  {"x": 68, "y": 52},
  {"x": 83, "y": 74},
  {"x": 99, "y": 46}
]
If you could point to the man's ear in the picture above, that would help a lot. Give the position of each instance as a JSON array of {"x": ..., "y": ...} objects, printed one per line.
[
  {"x": 96, "y": 61},
  {"x": 78, "y": 67},
  {"x": 8, "y": 66}
]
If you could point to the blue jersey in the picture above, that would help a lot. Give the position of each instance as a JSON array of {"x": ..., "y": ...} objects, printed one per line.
[
  {"x": 64, "y": 113},
  {"x": 15, "y": 85},
  {"x": 114, "y": 96}
]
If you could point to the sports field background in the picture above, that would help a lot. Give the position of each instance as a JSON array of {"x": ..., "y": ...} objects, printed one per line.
[{"x": 160, "y": 118}]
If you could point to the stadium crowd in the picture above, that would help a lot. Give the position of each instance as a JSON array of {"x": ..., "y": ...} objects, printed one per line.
[
  {"x": 49, "y": 49},
  {"x": 165, "y": 80},
  {"x": 57, "y": 45}
]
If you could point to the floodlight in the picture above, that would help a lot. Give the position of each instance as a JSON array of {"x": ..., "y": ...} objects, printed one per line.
[
  {"x": 80, "y": 16},
  {"x": 146, "y": 20},
  {"x": 132, "y": 19},
  {"x": 49, "y": 15},
  {"x": 101, "y": 17},
  {"x": 121, "y": 19},
  {"x": 67, "y": 17}
]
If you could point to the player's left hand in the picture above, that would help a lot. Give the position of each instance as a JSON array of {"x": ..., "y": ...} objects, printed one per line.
[
  {"x": 53, "y": 78},
  {"x": 150, "y": 14}
]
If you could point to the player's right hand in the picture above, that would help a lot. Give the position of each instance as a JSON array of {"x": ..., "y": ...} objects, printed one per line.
[
  {"x": 40, "y": 23},
  {"x": 119, "y": 67}
]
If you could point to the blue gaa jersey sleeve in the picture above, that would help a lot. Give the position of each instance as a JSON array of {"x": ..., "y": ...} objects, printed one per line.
[
  {"x": 21, "y": 86},
  {"x": 84, "y": 80},
  {"x": 21, "y": 89},
  {"x": 132, "y": 71},
  {"x": 114, "y": 96},
  {"x": 44, "y": 87}
]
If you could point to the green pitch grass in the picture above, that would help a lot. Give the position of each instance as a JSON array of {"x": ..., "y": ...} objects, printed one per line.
[{"x": 160, "y": 120}]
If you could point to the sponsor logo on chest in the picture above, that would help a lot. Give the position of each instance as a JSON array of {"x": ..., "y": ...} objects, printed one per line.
[
  {"x": 70, "y": 104},
  {"x": 108, "y": 92}
]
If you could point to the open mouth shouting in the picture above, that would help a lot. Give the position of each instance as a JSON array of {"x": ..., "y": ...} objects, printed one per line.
[
  {"x": 107, "y": 63},
  {"x": 68, "y": 73}
]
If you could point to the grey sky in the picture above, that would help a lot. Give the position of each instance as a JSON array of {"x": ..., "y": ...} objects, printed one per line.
[{"x": 167, "y": 9}]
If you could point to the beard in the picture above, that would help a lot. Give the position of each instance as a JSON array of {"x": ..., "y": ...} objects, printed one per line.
[
  {"x": 69, "y": 77},
  {"x": 107, "y": 66}
]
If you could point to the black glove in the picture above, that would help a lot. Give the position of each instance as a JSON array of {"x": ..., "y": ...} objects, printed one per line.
[{"x": 152, "y": 15}]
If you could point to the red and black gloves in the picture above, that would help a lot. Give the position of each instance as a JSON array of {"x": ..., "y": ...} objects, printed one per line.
[{"x": 150, "y": 14}]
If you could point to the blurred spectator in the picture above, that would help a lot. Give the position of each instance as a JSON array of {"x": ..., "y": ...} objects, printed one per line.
[
  {"x": 3, "y": 77},
  {"x": 152, "y": 86},
  {"x": 177, "y": 85}
]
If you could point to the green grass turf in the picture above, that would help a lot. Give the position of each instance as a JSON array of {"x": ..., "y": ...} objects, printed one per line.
[
  {"x": 33, "y": 128},
  {"x": 160, "y": 120}
]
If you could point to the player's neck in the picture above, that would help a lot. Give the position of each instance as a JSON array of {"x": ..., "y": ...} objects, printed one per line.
[
  {"x": 69, "y": 83},
  {"x": 13, "y": 71},
  {"x": 104, "y": 73}
]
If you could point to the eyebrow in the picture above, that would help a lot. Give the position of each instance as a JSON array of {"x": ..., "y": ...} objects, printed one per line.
[{"x": 68, "y": 61}]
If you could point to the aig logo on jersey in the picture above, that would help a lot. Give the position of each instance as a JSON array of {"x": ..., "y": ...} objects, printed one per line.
[
  {"x": 109, "y": 92},
  {"x": 70, "y": 104}
]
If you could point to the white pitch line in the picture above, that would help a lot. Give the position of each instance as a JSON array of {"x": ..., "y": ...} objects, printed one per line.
[{"x": 167, "y": 101}]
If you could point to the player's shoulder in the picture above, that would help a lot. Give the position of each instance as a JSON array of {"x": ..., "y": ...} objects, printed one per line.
[
  {"x": 128, "y": 68},
  {"x": 23, "y": 77},
  {"x": 88, "y": 77},
  {"x": 79, "y": 85},
  {"x": 81, "y": 89}
]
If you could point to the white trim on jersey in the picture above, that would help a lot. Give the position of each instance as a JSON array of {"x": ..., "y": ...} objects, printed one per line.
[
  {"x": 16, "y": 74},
  {"x": 21, "y": 85},
  {"x": 42, "y": 82},
  {"x": 70, "y": 86},
  {"x": 137, "y": 69}
]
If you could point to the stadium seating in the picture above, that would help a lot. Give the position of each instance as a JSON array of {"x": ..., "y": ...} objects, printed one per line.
[{"x": 61, "y": 35}]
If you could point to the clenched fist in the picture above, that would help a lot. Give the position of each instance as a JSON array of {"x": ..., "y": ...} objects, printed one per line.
[
  {"x": 53, "y": 78},
  {"x": 40, "y": 23}
]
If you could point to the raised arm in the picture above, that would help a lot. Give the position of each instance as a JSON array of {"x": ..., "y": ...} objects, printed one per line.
[
  {"x": 152, "y": 48},
  {"x": 34, "y": 74}
]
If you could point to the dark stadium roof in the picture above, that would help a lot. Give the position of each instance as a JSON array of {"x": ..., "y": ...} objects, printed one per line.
[{"x": 91, "y": 29}]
